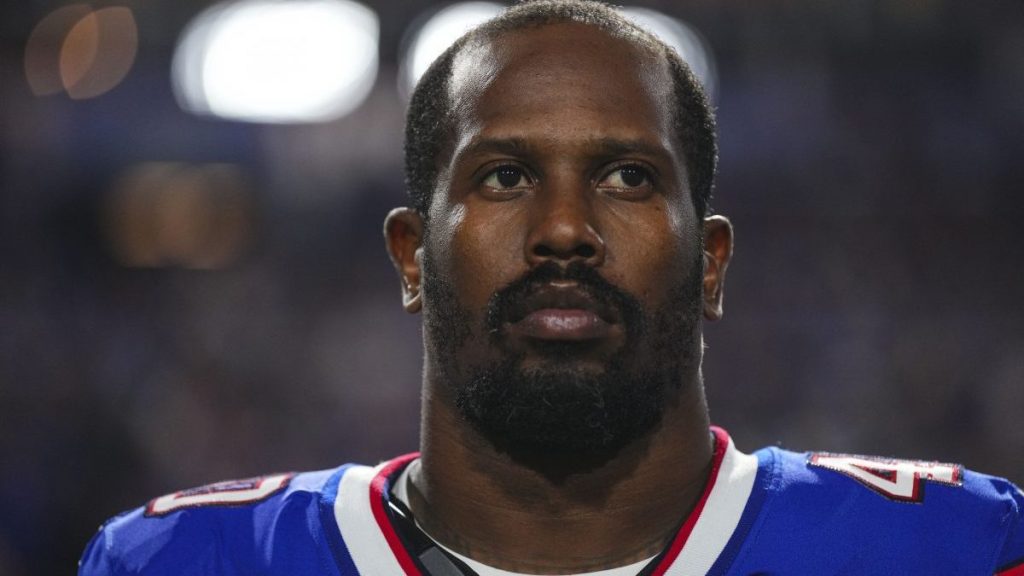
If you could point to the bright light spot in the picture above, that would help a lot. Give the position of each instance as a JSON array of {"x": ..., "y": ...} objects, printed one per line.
[
  {"x": 44, "y": 46},
  {"x": 440, "y": 32},
  {"x": 81, "y": 51},
  {"x": 98, "y": 52},
  {"x": 686, "y": 41},
  {"x": 270, "y": 61}
]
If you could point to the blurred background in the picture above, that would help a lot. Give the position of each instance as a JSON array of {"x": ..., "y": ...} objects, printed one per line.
[{"x": 193, "y": 285}]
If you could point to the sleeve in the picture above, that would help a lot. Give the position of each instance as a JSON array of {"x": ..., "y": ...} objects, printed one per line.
[
  {"x": 234, "y": 528},
  {"x": 1011, "y": 559},
  {"x": 132, "y": 544},
  {"x": 97, "y": 558}
]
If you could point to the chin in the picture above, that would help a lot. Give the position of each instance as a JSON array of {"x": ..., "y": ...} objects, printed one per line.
[{"x": 564, "y": 406}]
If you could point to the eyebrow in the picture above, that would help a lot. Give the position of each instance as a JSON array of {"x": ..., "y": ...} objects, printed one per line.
[
  {"x": 604, "y": 146},
  {"x": 620, "y": 147},
  {"x": 511, "y": 146}
]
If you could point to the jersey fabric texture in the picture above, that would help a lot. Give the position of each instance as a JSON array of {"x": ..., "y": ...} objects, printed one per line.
[{"x": 773, "y": 512}]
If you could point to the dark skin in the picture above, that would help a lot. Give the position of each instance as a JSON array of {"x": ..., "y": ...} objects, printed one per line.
[{"x": 564, "y": 151}]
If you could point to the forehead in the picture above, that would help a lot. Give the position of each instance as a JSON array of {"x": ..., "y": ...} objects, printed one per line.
[{"x": 561, "y": 80}]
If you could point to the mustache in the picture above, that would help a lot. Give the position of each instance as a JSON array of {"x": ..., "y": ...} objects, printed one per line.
[{"x": 501, "y": 306}]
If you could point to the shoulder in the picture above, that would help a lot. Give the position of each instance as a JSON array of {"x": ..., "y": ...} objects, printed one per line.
[
  {"x": 233, "y": 527},
  {"x": 912, "y": 511},
  {"x": 931, "y": 484}
]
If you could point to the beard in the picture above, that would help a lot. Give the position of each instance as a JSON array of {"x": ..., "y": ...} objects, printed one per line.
[{"x": 560, "y": 409}]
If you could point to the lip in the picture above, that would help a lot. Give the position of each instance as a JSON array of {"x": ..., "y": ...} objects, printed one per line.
[
  {"x": 564, "y": 312},
  {"x": 563, "y": 324}
]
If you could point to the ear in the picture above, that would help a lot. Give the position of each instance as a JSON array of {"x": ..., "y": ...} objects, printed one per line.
[
  {"x": 403, "y": 234},
  {"x": 717, "y": 253}
]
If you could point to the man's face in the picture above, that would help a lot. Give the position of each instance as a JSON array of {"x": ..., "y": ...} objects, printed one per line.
[{"x": 562, "y": 270}]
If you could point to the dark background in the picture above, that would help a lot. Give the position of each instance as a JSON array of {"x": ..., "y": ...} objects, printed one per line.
[{"x": 871, "y": 161}]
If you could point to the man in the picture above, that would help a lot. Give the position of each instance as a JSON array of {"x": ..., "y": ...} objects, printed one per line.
[{"x": 560, "y": 163}]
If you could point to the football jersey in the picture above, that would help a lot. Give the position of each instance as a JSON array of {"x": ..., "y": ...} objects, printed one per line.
[{"x": 773, "y": 512}]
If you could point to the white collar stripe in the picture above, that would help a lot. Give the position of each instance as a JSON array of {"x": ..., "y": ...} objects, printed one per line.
[
  {"x": 363, "y": 537},
  {"x": 721, "y": 514},
  {"x": 715, "y": 524}
]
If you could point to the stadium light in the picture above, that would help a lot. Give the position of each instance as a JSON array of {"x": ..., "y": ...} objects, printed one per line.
[
  {"x": 427, "y": 41},
  {"x": 276, "y": 61}
]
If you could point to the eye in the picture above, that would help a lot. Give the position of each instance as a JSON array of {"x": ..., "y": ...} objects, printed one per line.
[
  {"x": 507, "y": 177},
  {"x": 630, "y": 176},
  {"x": 631, "y": 179}
]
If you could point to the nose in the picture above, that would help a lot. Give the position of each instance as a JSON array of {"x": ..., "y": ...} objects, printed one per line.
[{"x": 563, "y": 229}]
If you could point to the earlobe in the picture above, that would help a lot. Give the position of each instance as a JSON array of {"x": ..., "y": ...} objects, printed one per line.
[
  {"x": 411, "y": 297},
  {"x": 718, "y": 245},
  {"x": 403, "y": 237}
]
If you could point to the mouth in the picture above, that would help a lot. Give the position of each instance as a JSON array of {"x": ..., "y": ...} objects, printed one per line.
[{"x": 564, "y": 312}]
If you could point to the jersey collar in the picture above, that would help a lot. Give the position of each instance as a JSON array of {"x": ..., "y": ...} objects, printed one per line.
[{"x": 376, "y": 550}]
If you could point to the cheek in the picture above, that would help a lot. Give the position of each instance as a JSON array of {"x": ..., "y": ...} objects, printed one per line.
[
  {"x": 649, "y": 252},
  {"x": 485, "y": 251}
]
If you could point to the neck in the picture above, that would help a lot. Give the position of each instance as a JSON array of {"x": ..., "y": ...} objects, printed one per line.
[{"x": 518, "y": 517}]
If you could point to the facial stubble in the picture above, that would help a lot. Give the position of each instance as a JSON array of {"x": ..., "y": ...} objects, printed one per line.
[{"x": 558, "y": 408}]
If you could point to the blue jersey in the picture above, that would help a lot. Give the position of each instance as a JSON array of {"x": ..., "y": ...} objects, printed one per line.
[{"x": 772, "y": 512}]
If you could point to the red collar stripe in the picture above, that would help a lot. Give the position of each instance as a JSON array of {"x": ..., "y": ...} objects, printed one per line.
[
  {"x": 721, "y": 443},
  {"x": 378, "y": 494}
]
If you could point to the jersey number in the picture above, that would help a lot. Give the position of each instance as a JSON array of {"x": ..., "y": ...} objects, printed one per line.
[
  {"x": 230, "y": 493},
  {"x": 901, "y": 480}
]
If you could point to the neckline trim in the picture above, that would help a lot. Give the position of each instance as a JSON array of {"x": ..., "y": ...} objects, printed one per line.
[
  {"x": 376, "y": 549},
  {"x": 722, "y": 445}
]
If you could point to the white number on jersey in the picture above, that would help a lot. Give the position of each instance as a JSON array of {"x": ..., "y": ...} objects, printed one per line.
[
  {"x": 901, "y": 480},
  {"x": 230, "y": 493}
]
